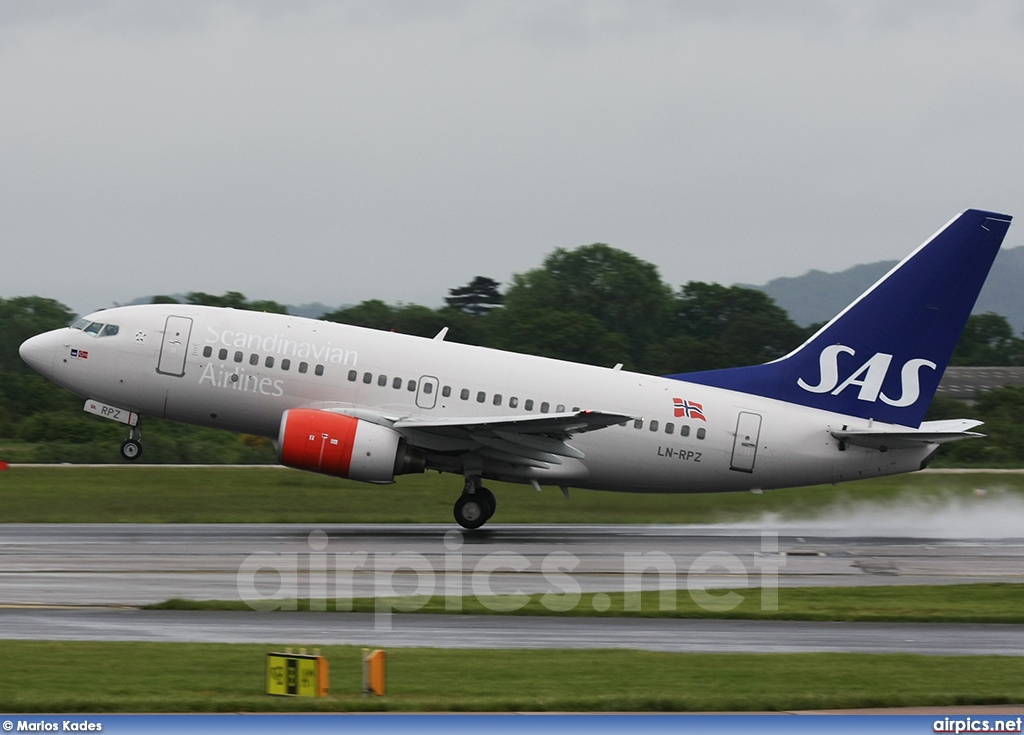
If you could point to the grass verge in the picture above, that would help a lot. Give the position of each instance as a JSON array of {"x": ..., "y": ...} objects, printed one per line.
[
  {"x": 964, "y": 603},
  {"x": 70, "y": 494},
  {"x": 50, "y": 676}
]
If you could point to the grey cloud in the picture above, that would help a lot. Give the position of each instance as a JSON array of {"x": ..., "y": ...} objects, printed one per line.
[{"x": 335, "y": 152}]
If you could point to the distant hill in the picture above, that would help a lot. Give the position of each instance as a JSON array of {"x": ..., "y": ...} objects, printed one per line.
[{"x": 817, "y": 296}]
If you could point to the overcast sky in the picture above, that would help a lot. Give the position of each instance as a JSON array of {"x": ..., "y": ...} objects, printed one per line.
[{"x": 341, "y": 151}]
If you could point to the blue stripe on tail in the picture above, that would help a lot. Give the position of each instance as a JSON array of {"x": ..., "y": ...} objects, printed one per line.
[{"x": 883, "y": 356}]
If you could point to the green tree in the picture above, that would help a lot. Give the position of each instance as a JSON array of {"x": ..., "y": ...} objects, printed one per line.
[
  {"x": 684, "y": 353},
  {"x": 230, "y": 299},
  {"x": 738, "y": 326},
  {"x": 23, "y": 317},
  {"x": 233, "y": 300},
  {"x": 480, "y": 296},
  {"x": 988, "y": 339},
  {"x": 406, "y": 319},
  {"x": 622, "y": 293},
  {"x": 559, "y": 334},
  {"x": 419, "y": 320},
  {"x": 22, "y": 391},
  {"x": 373, "y": 314},
  {"x": 1002, "y": 410}
]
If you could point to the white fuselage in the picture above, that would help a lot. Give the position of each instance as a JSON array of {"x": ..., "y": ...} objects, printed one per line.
[{"x": 210, "y": 366}]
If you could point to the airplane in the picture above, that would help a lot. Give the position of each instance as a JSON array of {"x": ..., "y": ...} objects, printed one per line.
[{"x": 369, "y": 405}]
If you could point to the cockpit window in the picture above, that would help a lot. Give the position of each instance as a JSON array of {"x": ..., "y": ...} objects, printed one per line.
[{"x": 97, "y": 329}]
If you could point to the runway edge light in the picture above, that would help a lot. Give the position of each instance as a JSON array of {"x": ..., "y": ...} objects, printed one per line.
[
  {"x": 374, "y": 671},
  {"x": 297, "y": 675}
]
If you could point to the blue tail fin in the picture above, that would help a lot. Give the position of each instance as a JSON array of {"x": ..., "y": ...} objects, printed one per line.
[{"x": 883, "y": 356}]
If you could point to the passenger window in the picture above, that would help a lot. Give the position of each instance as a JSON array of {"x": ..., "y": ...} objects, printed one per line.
[
  {"x": 529, "y": 404},
  {"x": 544, "y": 407},
  {"x": 481, "y": 397},
  {"x": 223, "y": 354},
  {"x": 638, "y": 424},
  {"x": 319, "y": 370},
  {"x": 396, "y": 383},
  {"x": 428, "y": 388},
  {"x": 575, "y": 409},
  {"x": 254, "y": 359},
  {"x": 654, "y": 424},
  {"x": 411, "y": 386},
  {"x": 464, "y": 394},
  {"x": 446, "y": 391},
  {"x": 497, "y": 399},
  {"x": 684, "y": 430},
  {"x": 382, "y": 381},
  {"x": 367, "y": 378},
  {"x": 303, "y": 367},
  {"x": 513, "y": 402},
  {"x": 270, "y": 361},
  {"x": 353, "y": 375},
  {"x": 701, "y": 433},
  {"x": 207, "y": 351},
  {"x": 238, "y": 356},
  {"x": 286, "y": 364},
  {"x": 560, "y": 408},
  {"x": 669, "y": 427}
]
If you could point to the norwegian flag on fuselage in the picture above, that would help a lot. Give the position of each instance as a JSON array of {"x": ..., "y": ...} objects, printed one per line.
[{"x": 689, "y": 409}]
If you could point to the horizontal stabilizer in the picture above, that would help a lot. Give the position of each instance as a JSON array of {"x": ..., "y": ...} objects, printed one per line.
[{"x": 930, "y": 432}]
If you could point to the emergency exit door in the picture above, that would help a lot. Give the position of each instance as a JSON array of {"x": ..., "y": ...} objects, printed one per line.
[
  {"x": 174, "y": 346},
  {"x": 744, "y": 445},
  {"x": 426, "y": 393}
]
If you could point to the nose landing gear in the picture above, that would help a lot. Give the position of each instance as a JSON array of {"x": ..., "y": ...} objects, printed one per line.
[{"x": 475, "y": 506}]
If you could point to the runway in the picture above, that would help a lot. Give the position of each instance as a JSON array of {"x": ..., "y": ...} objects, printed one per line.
[
  {"x": 479, "y": 631},
  {"x": 92, "y": 568},
  {"x": 136, "y": 564}
]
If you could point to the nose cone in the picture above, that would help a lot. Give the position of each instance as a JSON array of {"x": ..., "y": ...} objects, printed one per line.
[{"x": 38, "y": 353}]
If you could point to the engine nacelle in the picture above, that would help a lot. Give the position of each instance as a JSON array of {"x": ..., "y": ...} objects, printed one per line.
[{"x": 343, "y": 446}]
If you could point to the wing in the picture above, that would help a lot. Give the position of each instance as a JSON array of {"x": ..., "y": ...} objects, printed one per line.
[
  {"x": 930, "y": 432},
  {"x": 531, "y": 441},
  {"x": 539, "y": 441}
]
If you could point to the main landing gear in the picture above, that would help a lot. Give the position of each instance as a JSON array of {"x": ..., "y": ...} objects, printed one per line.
[
  {"x": 475, "y": 506},
  {"x": 131, "y": 448}
]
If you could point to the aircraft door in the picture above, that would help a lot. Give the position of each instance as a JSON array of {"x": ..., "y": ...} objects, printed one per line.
[
  {"x": 426, "y": 392},
  {"x": 744, "y": 445},
  {"x": 174, "y": 346}
]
